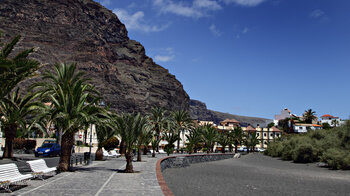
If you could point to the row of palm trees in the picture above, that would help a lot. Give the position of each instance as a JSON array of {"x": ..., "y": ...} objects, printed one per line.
[{"x": 65, "y": 98}]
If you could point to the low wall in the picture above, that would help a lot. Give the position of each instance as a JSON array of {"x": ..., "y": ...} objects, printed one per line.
[{"x": 183, "y": 161}]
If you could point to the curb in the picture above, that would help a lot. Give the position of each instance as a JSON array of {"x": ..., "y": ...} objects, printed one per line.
[{"x": 163, "y": 185}]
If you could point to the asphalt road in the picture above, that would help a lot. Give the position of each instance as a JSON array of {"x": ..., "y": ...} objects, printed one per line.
[{"x": 256, "y": 174}]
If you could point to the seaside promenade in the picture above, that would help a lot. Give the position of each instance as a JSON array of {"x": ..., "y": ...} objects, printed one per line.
[{"x": 99, "y": 178}]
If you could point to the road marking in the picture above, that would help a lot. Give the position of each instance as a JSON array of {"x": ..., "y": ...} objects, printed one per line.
[
  {"x": 109, "y": 179},
  {"x": 44, "y": 184}
]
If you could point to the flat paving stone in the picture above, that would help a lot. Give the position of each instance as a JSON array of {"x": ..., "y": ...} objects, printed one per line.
[{"x": 100, "y": 178}]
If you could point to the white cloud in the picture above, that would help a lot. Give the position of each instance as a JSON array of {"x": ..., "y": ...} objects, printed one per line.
[
  {"x": 161, "y": 58},
  {"x": 136, "y": 21},
  {"x": 215, "y": 31},
  {"x": 207, "y": 4},
  {"x": 317, "y": 13},
  {"x": 197, "y": 9},
  {"x": 245, "y": 30},
  {"x": 248, "y": 3},
  {"x": 164, "y": 54}
]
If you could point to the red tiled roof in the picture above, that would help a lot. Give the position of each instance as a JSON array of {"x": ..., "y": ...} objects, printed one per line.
[
  {"x": 230, "y": 120},
  {"x": 274, "y": 129},
  {"x": 250, "y": 129},
  {"x": 327, "y": 115}
]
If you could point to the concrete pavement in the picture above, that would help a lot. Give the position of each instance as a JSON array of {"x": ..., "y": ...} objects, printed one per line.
[{"x": 100, "y": 178}]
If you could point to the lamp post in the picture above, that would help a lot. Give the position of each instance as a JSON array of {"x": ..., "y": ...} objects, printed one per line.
[{"x": 90, "y": 143}]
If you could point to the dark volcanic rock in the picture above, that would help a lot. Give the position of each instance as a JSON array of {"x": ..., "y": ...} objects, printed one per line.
[
  {"x": 199, "y": 111},
  {"x": 83, "y": 31}
]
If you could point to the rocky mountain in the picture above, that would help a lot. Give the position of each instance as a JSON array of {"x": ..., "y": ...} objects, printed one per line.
[
  {"x": 85, "y": 32},
  {"x": 199, "y": 111}
]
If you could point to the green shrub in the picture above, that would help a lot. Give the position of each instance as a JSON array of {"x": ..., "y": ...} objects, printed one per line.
[
  {"x": 21, "y": 143},
  {"x": 305, "y": 153},
  {"x": 274, "y": 149},
  {"x": 336, "y": 159},
  {"x": 111, "y": 143}
]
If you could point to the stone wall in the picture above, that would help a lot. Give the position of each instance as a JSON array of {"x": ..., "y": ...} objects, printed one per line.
[{"x": 184, "y": 161}]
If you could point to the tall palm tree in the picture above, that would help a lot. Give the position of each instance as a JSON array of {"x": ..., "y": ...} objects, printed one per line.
[
  {"x": 104, "y": 130},
  {"x": 194, "y": 139},
  {"x": 158, "y": 119},
  {"x": 130, "y": 127},
  {"x": 15, "y": 70},
  {"x": 209, "y": 137},
  {"x": 251, "y": 140},
  {"x": 73, "y": 103},
  {"x": 143, "y": 137},
  {"x": 171, "y": 137},
  {"x": 14, "y": 113},
  {"x": 309, "y": 116},
  {"x": 237, "y": 137},
  {"x": 223, "y": 139},
  {"x": 147, "y": 140},
  {"x": 183, "y": 120}
]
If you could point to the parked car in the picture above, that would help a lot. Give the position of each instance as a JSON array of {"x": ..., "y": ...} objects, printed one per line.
[
  {"x": 242, "y": 149},
  {"x": 259, "y": 149},
  {"x": 48, "y": 149}
]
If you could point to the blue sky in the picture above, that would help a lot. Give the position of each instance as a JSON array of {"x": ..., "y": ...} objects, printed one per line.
[{"x": 249, "y": 57}]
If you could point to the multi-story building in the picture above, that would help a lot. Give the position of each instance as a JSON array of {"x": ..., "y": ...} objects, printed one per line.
[
  {"x": 265, "y": 135},
  {"x": 333, "y": 121}
]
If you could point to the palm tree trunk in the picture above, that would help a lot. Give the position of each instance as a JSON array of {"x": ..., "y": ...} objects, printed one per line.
[
  {"x": 145, "y": 150},
  {"x": 129, "y": 157},
  {"x": 122, "y": 147},
  {"x": 230, "y": 148},
  {"x": 223, "y": 149},
  {"x": 10, "y": 134},
  {"x": 236, "y": 147},
  {"x": 153, "y": 153},
  {"x": 178, "y": 145},
  {"x": 99, "y": 154},
  {"x": 139, "y": 154},
  {"x": 66, "y": 150}
]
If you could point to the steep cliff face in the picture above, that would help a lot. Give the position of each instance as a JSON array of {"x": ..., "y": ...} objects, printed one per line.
[
  {"x": 199, "y": 111},
  {"x": 84, "y": 32}
]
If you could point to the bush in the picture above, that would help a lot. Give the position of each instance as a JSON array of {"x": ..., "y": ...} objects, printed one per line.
[
  {"x": 111, "y": 143},
  {"x": 305, "y": 153},
  {"x": 21, "y": 143},
  {"x": 336, "y": 159}
]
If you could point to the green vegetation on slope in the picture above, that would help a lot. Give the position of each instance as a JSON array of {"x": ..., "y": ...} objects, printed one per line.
[{"x": 330, "y": 146}]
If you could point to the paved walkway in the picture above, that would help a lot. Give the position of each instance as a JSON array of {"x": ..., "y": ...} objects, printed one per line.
[{"x": 100, "y": 178}]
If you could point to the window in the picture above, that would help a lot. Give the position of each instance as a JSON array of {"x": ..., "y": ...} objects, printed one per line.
[
  {"x": 278, "y": 135},
  {"x": 271, "y": 135},
  {"x": 264, "y": 134},
  {"x": 300, "y": 127},
  {"x": 257, "y": 134}
]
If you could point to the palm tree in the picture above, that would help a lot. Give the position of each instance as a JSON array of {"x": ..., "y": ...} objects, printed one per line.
[
  {"x": 209, "y": 137},
  {"x": 130, "y": 127},
  {"x": 13, "y": 71},
  {"x": 144, "y": 136},
  {"x": 73, "y": 104},
  {"x": 251, "y": 141},
  {"x": 155, "y": 144},
  {"x": 158, "y": 119},
  {"x": 237, "y": 137},
  {"x": 147, "y": 140},
  {"x": 223, "y": 139},
  {"x": 335, "y": 122},
  {"x": 194, "y": 138},
  {"x": 104, "y": 131},
  {"x": 309, "y": 116},
  {"x": 171, "y": 138},
  {"x": 183, "y": 120},
  {"x": 14, "y": 113}
]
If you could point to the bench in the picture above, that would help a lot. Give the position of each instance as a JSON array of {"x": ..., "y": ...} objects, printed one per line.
[
  {"x": 9, "y": 175},
  {"x": 114, "y": 153},
  {"x": 40, "y": 169}
]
